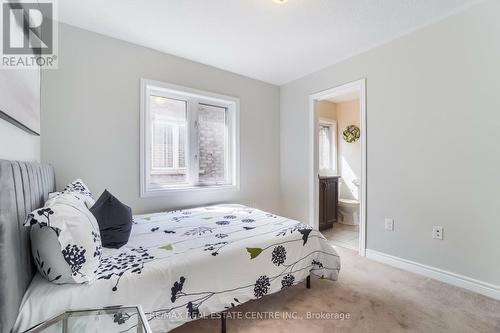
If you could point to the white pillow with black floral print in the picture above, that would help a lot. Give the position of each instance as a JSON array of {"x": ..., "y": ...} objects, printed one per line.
[
  {"x": 78, "y": 186},
  {"x": 77, "y": 195},
  {"x": 65, "y": 240}
]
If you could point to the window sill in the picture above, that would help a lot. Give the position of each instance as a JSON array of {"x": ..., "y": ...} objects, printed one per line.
[
  {"x": 179, "y": 189},
  {"x": 171, "y": 172}
]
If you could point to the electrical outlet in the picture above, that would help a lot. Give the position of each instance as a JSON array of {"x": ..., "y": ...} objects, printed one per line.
[
  {"x": 437, "y": 232},
  {"x": 389, "y": 224}
]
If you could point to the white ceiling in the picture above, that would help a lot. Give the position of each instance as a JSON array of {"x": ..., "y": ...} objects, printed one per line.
[
  {"x": 347, "y": 97},
  {"x": 276, "y": 43}
]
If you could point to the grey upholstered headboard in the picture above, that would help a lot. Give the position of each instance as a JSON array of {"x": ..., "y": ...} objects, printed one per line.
[{"x": 23, "y": 187}]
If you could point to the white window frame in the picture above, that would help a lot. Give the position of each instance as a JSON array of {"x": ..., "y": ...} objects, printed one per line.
[
  {"x": 332, "y": 124},
  {"x": 197, "y": 97}
]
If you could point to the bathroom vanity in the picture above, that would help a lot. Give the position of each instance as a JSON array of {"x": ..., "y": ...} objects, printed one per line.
[{"x": 328, "y": 201}]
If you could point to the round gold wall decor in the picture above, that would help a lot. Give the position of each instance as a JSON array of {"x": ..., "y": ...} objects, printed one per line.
[{"x": 351, "y": 133}]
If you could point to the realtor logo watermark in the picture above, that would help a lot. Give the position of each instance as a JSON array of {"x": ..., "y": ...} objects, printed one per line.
[{"x": 29, "y": 34}]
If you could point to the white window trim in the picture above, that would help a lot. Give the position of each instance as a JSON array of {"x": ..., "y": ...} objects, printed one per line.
[
  {"x": 333, "y": 146},
  {"x": 234, "y": 156}
]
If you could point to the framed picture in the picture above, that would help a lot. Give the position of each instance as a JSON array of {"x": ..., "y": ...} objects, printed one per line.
[{"x": 20, "y": 98}]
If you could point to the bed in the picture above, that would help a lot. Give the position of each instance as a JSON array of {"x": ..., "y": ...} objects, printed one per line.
[{"x": 186, "y": 264}]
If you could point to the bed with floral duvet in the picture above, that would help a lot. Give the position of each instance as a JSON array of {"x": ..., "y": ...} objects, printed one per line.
[{"x": 186, "y": 264}]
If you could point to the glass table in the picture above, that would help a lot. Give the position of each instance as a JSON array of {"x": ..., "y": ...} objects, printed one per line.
[{"x": 113, "y": 319}]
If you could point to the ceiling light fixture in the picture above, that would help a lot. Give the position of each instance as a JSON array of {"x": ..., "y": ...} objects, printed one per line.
[{"x": 280, "y": 1}]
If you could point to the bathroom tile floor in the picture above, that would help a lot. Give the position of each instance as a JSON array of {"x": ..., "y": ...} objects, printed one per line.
[{"x": 343, "y": 235}]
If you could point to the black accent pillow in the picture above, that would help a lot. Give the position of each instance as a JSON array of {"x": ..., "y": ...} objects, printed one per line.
[{"x": 114, "y": 219}]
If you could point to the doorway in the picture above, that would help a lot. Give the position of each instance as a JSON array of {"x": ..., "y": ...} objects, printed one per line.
[{"x": 337, "y": 121}]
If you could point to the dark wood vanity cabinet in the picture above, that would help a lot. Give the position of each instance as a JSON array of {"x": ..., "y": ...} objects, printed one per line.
[{"x": 328, "y": 201}]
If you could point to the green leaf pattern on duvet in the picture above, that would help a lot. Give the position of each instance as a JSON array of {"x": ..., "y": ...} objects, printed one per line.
[{"x": 254, "y": 252}]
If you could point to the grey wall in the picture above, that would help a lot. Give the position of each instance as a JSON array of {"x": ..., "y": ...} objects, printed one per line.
[
  {"x": 433, "y": 114},
  {"x": 16, "y": 144},
  {"x": 90, "y": 120}
]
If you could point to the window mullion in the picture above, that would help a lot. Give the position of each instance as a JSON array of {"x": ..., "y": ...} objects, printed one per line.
[
  {"x": 193, "y": 142},
  {"x": 228, "y": 153},
  {"x": 175, "y": 147},
  {"x": 164, "y": 148}
]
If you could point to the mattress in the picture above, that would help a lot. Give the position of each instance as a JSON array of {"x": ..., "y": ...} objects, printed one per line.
[{"x": 186, "y": 264}]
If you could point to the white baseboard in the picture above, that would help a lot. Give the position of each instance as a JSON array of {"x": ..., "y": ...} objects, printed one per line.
[{"x": 480, "y": 287}]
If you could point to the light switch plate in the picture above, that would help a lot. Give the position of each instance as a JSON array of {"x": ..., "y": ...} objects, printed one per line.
[{"x": 389, "y": 224}]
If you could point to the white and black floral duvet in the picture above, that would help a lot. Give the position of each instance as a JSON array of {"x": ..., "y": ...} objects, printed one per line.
[{"x": 185, "y": 264}]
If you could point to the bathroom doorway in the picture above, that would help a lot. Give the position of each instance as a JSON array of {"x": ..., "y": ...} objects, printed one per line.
[{"x": 338, "y": 164}]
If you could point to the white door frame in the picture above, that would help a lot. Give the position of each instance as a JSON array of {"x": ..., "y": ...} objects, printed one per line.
[{"x": 359, "y": 85}]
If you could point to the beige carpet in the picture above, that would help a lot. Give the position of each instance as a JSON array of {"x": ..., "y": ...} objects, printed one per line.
[{"x": 378, "y": 298}]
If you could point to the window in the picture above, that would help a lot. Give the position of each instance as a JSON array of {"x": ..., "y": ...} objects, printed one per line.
[
  {"x": 327, "y": 134},
  {"x": 189, "y": 139},
  {"x": 168, "y": 145}
]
